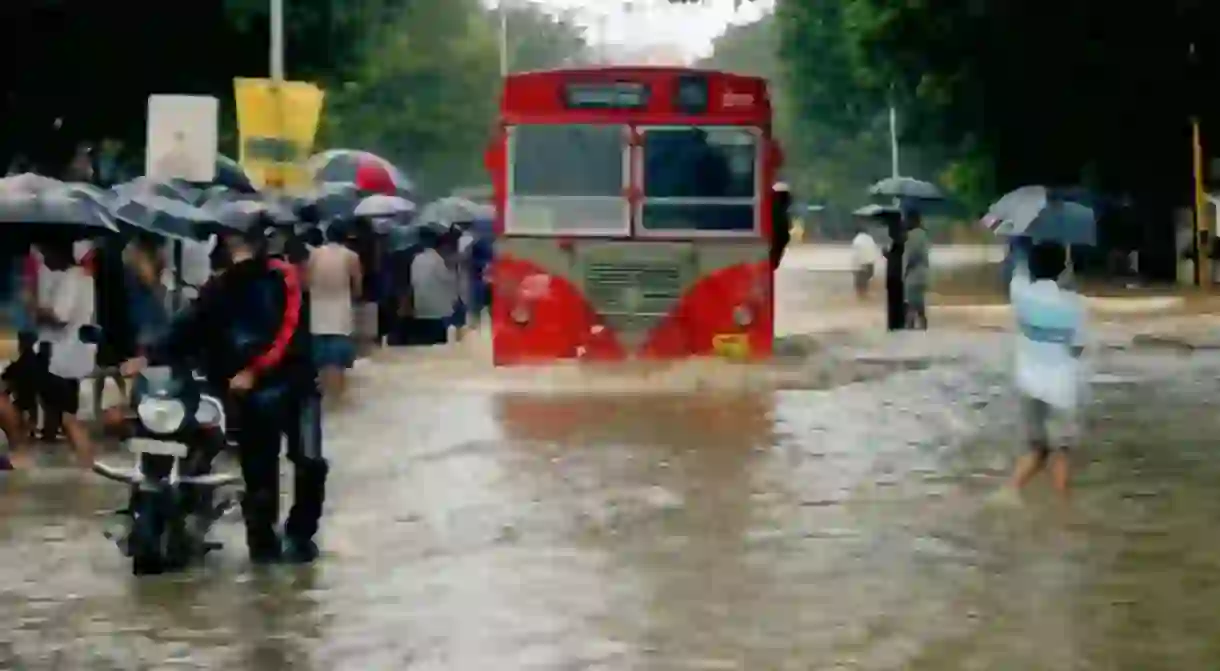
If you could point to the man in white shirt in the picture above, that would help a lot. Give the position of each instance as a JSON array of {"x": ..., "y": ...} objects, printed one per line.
[
  {"x": 65, "y": 306},
  {"x": 335, "y": 277},
  {"x": 434, "y": 293},
  {"x": 864, "y": 255},
  {"x": 1050, "y": 339}
]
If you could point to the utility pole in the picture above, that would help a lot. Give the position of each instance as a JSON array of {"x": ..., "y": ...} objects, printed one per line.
[
  {"x": 1203, "y": 232},
  {"x": 503, "y": 10},
  {"x": 894, "y": 164},
  {"x": 277, "y": 79}
]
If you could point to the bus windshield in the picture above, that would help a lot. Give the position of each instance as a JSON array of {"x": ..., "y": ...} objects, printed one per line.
[
  {"x": 568, "y": 179},
  {"x": 700, "y": 179}
]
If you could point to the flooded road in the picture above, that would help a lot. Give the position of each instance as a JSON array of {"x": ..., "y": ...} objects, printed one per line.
[{"x": 700, "y": 516}]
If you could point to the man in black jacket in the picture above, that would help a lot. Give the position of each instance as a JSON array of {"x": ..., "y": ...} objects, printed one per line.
[
  {"x": 781, "y": 222},
  {"x": 247, "y": 334}
]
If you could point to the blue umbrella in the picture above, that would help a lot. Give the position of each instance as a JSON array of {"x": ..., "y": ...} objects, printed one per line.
[{"x": 1039, "y": 213}]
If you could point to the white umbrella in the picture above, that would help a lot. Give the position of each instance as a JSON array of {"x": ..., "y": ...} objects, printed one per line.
[
  {"x": 906, "y": 187},
  {"x": 381, "y": 205},
  {"x": 454, "y": 210}
]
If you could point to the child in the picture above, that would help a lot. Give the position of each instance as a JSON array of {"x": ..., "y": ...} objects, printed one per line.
[{"x": 1050, "y": 335}]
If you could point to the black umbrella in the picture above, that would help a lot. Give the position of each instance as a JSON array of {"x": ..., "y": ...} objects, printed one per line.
[
  {"x": 74, "y": 210},
  {"x": 239, "y": 212},
  {"x": 229, "y": 174},
  {"x": 147, "y": 186},
  {"x": 329, "y": 201},
  {"x": 163, "y": 216}
]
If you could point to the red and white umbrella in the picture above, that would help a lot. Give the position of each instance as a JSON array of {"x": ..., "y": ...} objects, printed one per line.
[{"x": 368, "y": 171}]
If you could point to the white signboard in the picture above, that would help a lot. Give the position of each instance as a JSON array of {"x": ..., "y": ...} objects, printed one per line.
[{"x": 182, "y": 138}]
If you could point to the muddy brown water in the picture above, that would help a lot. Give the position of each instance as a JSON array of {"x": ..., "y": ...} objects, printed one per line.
[{"x": 695, "y": 517}]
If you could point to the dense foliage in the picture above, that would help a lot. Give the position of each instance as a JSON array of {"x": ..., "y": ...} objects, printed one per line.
[
  {"x": 1031, "y": 91},
  {"x": 415, "y": 80},
  {"x": 994, "y": 94},
  {"x": 834, "y": 127}
]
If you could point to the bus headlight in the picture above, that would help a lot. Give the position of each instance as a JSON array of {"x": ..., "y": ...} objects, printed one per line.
[
  {"x": 520, "y": 315},
  {"x": 743, "y": 316},
  {"x": 161, "y": 415}
]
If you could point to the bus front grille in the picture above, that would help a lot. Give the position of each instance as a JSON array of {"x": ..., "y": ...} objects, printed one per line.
[{"x": 633, "y": 296}]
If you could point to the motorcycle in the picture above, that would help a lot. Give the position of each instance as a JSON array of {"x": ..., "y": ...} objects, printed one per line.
[{"x": 174, "y": 434}]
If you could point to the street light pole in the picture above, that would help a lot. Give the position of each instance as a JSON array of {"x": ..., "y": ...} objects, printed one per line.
[
  {"x": 277, "y": 78},
  {"x": 503, "y": 8},
  {"x": 1203, "y": 223},
  {"x": 894, "y": 164},
  {"x": 277, "y": 41}
]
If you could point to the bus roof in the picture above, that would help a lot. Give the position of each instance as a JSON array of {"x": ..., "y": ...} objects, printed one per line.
[{"x": 636, "y": 94}]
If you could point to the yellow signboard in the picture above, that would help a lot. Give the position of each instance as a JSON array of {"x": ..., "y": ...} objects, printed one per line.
[
  {"x": 276, "y": 126},
  {"x": 735, "y": 346}
]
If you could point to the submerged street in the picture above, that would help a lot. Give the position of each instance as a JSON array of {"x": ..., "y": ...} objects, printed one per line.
[{"x": 830, "y": 511}]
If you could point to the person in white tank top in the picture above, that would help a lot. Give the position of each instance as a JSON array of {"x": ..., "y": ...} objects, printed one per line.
[{"x": 334, "y": 276}]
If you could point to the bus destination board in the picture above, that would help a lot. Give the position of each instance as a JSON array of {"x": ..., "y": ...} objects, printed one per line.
[{"x": 606, "y": 95}]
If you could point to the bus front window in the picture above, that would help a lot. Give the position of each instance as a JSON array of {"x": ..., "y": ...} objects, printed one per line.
[
  {"x": 568, "y": 180},
  {"x": 700, "y": 179}
]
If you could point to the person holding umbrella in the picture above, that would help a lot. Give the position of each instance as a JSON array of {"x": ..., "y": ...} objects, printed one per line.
[
  {"x": 1050, "y": 339},
  {"x": 1051, "y": 326},
  {"x": 909, "y": 195}
]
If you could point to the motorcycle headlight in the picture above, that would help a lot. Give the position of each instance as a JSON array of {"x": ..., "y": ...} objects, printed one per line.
[
  {"x": 161, "y": 415},
  {"x": 743, "y": 316}
]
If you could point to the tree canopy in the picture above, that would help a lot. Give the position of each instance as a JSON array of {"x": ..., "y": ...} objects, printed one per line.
[
  {"x": 1070, "y": 92},
  {"x": 415, "y": 80}
]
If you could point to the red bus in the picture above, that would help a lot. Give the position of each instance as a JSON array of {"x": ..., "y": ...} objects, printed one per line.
[{"x": 633, "y": 210}]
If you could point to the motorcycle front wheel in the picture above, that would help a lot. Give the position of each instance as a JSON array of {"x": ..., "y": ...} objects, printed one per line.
[{"x": 158, "y": 537}]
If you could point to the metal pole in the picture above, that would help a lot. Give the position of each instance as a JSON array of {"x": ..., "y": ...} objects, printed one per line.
[
  {"x": 503, "y": 6},
  {"x": 277, "y": 71},
  {"x": 1203, "y": 233},
  {"x": 603, "y": 28},
  {"x": 894, "y": 164},
  {"x": 277, "y": 41}
]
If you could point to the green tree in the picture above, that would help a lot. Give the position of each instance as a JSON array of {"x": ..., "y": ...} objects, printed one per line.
[
  {"x": 426, "y": 94},
  {"x": 833, "y": 129},
  {"x": 94, "y": 68},
  {"x": 538, "y": 40},
  {"x": 1064, "y": 92},
  {"x": 421, "y": 96}
]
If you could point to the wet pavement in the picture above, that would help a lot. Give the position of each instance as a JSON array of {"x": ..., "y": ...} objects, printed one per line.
[{"x": 828, "y": 511}]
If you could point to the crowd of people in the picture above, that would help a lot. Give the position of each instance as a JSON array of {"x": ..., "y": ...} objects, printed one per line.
[
  {"x": 361, "y": 286},
  {"x": 99, "y": 311}
]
